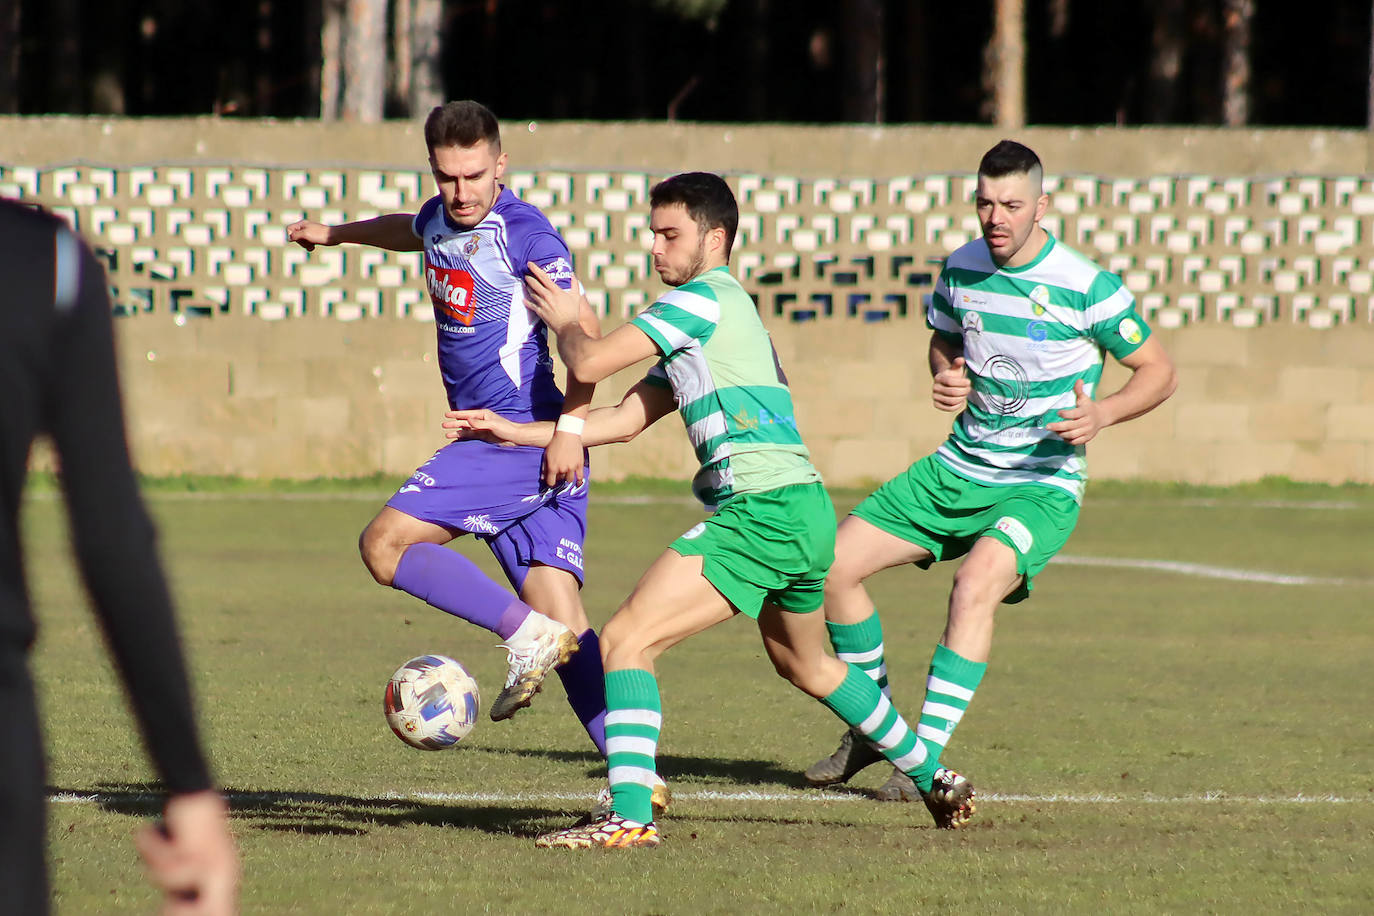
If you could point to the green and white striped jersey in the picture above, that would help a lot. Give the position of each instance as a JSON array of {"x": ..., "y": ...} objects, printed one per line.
[
  {"x": 729, "y": 386},
  {"x": 1028, "y": 334}
]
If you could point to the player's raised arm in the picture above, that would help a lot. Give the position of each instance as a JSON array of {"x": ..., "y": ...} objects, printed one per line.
[
  {"x": 394, "y": 232},
  {"x": 563, "y": 456},
  {"x": 589, "y": 359}
]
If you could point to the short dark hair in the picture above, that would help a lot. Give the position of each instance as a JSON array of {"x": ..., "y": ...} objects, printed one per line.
[
  {"x": 708, "y": 199},
  {"x": 1009, "y": 158},
  {"x": 462, "y": 124}
]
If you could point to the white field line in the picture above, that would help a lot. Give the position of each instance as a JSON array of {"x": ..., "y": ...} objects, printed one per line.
[
  {"x": 1204, "y": 571},
  {"x": 743, "y": 796}
]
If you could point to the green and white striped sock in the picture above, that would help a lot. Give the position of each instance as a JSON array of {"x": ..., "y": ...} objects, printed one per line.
[
  {"x": 861, "y": 644},
  {"x": 862, "y": 706},
  {"x": 634, "y": 717},
  {"x": 949, "y": 689}
]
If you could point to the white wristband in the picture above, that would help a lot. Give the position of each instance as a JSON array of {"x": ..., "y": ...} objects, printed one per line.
[{"x": 570, "y": 424}]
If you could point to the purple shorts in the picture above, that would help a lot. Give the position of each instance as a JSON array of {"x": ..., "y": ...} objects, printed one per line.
[{"x": 498, "y": 494}]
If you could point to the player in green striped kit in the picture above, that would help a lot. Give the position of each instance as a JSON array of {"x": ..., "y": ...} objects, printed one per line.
[
  {"x": 766, "y": 549},
  {"x": 1020, "y": 322}
]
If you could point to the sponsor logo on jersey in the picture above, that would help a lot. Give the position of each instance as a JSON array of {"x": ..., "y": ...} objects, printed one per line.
[
  {"x": 558, "y": 269},
  {"x": 973, "y": 323},
  {"x": 1040, "y": 300},
  {"x": 451, "y": 291},
  {"x": 1004, "y": 384},
  {"x": 1129, "y": 331},
  {"x": 480, "y": 524},
  {"x": 569, "y": 551},
  {"x": 1015, "y": 530},
  {"x": 694, "y": 531},
  {"x": 1038, "y": 331}
]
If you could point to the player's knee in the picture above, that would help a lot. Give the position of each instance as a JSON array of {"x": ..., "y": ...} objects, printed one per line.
[
  {"x": 380, "y": 555},
  {"x": 844, "y": 577}
]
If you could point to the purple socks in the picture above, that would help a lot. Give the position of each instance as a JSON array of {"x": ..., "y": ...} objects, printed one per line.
[
  {"x": 454, "y": 584},
  {"x": 585, "y": 685}
]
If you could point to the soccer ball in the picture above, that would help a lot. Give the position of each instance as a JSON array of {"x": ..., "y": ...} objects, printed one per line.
[{"x": 431, "y": 702}]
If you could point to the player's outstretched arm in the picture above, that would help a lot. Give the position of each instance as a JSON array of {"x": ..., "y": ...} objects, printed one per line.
[
  {"x": 393, "y": 232},
  {"x": 642, "y": 406},
  {"x": 1153, "y": 379},
  {"x": 564, "y": 453},
  {"x": 589, "y": 359}
]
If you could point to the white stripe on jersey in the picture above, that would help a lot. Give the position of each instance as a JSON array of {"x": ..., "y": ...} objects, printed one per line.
[
  {"x": 991, "y": 473},
  {"x": 701, "y": 306},
  {"x": 709, "y": 426},
  {"x": 676, "y": 339}
]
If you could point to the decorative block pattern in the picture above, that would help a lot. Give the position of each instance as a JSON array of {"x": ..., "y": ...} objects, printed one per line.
[{"x": 1195, "y": 250}]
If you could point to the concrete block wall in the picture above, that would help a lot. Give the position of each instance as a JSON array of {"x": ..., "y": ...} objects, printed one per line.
[
  {"x": 331, "y": 372},
  {"x": 317, "y": 397}
]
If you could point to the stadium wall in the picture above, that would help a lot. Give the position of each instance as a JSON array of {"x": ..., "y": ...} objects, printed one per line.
[{"x": 1249, "y": 251}]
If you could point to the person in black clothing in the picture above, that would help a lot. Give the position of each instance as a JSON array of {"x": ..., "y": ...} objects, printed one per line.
[{"x": 57, "y": 372}]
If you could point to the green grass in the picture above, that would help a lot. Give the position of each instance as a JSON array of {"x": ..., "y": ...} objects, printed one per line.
[{"x": 1194, "y": 710}]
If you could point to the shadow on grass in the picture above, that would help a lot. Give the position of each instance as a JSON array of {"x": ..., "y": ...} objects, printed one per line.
[
  {"x": 324, "y": 813},
  {"x": 752, "y": 773}
]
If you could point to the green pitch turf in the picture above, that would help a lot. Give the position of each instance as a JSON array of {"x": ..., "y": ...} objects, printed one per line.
[{"x": 1178, "y": 721}]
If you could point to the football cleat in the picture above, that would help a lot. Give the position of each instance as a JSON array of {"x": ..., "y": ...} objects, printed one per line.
[
  {"x": 898, "y": 788},
  {"x": 613, "y": 832},
  {"x": 540, "y": 645},
  {"x": 660, "y": 797},
  {"x": 853, "y": 754},
  {"x": 950, "y": 800}
]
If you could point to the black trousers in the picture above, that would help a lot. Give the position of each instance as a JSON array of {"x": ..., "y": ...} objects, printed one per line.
[{"x": 23, "y": 805}]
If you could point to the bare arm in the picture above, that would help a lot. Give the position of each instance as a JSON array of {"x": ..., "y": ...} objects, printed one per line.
[
  {"x": 950, "y": 383},
  {"x": 640, "y": 408},
  {"x": 393, "y": 232},
  {"x": 563, "y": 455},
  {"x": 1152, "y": 381},
  {"x": 590, "y": 359}
]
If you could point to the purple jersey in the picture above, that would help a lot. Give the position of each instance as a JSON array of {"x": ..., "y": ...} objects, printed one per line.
[{"x": 493, "y": 351}]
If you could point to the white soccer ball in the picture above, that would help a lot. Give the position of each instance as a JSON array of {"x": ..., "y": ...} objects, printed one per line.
[{"x": 431, "y": 702}]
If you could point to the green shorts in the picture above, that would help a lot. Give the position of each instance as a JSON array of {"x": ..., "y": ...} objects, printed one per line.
[
  {"x": 931, "y": 506},
  {"x": 774, "y": 546}
]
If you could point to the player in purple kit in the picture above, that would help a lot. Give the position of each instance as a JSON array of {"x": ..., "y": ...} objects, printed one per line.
[{"x": 527, "y": 504}]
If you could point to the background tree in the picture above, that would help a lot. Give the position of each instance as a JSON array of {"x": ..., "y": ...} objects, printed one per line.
[{"x": 1236, "y": 21}]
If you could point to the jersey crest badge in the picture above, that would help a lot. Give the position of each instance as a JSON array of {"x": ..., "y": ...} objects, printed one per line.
[
  {"x": 1040, "y": 300},
  {"x": 471, "y": 245}
]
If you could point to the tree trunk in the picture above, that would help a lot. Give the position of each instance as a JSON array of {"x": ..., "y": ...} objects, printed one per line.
[
  {"x": 1236, "y": 21},
  {"x": 1166, "y": 62},
  {"x": 262, "y": 79},
  {"x": 9, "y": 57},
  {"x": 865, "y": 65},
  {"x": 364, "y": 60},
  {"x": 426, "y": 56},
  {"x": 1007, "y": 65},
  {"x": 331, "y": 54},
  {"x": 1369, "y": 115}
]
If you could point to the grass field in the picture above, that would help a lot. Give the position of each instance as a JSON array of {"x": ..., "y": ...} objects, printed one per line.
[{"x": 1150, "y": 737}]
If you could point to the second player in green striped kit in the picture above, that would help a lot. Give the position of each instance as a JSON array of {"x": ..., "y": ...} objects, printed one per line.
[
  {"x": 766, "y": 549},
  {"x": 1019, "y": 323}
]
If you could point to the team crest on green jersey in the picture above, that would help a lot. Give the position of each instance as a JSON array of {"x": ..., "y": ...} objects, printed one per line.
[
  {"x": 1040, "y": 300},
  {"x": 1129, "y": 331}
]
